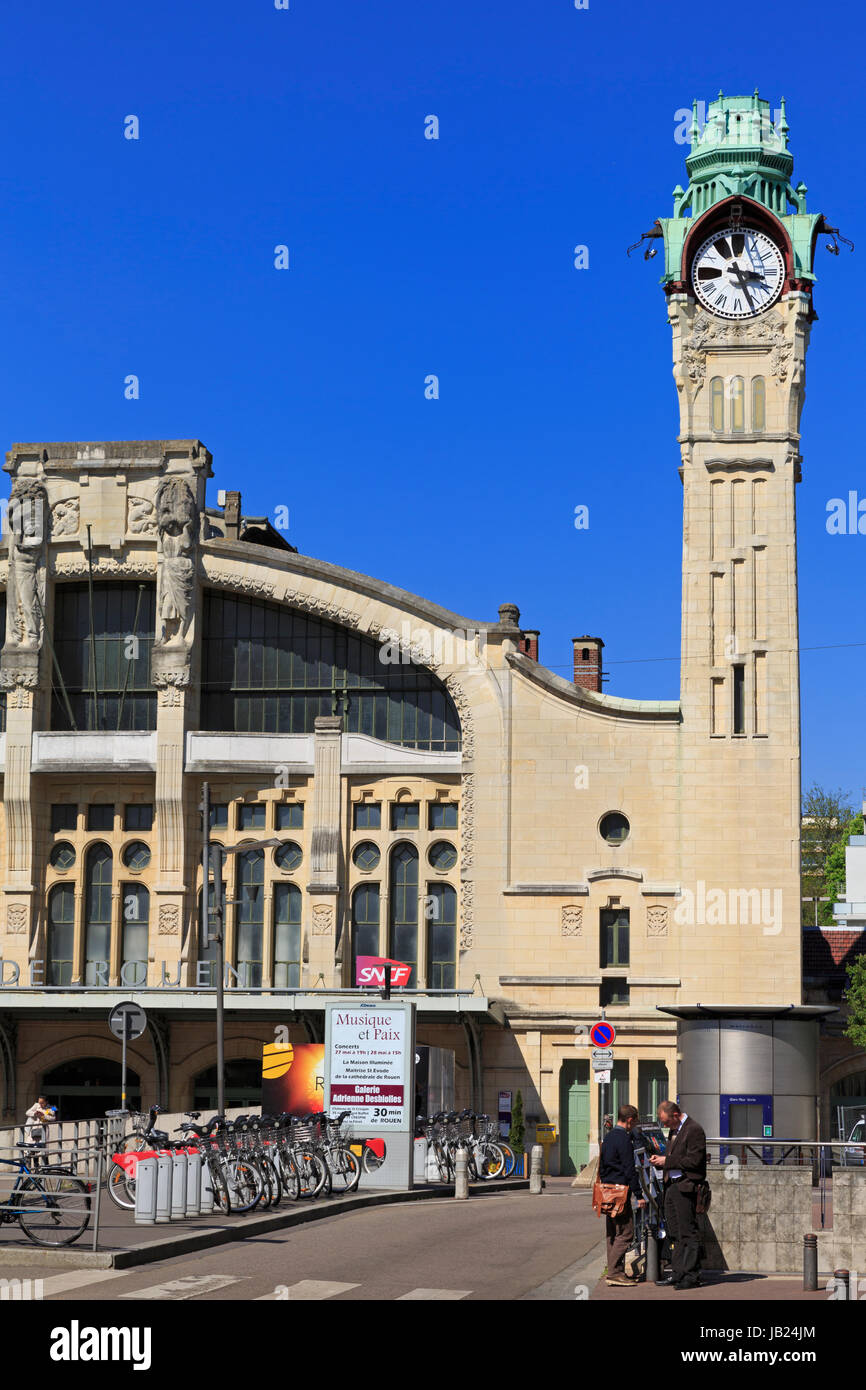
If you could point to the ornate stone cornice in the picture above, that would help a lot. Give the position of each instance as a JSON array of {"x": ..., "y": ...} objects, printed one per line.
[{"x": 130, "y": 567}]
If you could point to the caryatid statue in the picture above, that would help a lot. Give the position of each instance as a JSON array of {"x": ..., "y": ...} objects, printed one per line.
[
  {"x": 28, "y": 534},
  {"x": 177, "y": 527}
]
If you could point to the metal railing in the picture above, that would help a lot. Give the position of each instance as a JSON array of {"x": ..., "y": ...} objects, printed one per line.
[
  {"x": 761, "y": 1152},
  {"x": 70, "y": 1144}
]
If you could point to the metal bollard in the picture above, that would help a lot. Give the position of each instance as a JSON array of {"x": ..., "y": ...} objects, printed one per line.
[
  {"x": 461, "y": 1174},
  {"x": 841, "y": 1289},
  {"x": 652, "y": 1257},
  {"x": 193, "y": 1183},
  {"x": 163, "y": 1189},
  {"x": 810, "y": 1264},
  {"x": 207, "y": 1202},
  {"x": 178, "y": 1186},
  {"x": 145, "y": 1192},
  {"x": 535, "y": 1183}
]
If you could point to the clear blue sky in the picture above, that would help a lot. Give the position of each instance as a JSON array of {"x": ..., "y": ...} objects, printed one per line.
[{"x": 408, "y": 257}]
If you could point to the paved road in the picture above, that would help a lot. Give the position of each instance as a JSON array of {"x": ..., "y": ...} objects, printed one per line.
[{"x": 504, "y": 1247}]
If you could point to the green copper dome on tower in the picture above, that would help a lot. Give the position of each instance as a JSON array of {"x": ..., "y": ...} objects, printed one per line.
[{"x": 740, "y": 149}]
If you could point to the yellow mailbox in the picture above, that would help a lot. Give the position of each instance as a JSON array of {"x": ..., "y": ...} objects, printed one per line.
[{"x": 546, "y": 1136}]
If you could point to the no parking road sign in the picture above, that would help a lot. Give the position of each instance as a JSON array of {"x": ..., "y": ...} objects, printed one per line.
[{"x": 603, "y": 1034}]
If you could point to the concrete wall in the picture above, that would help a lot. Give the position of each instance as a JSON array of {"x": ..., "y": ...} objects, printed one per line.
[{"x": 757, "y": 1221}]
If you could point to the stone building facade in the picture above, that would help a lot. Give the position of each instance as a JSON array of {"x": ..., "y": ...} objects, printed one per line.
[{"x": 538, "y": 850}]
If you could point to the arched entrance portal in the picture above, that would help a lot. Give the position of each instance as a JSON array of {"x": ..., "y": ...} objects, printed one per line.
[
  {"x": 243, "y": 1085},
  {"x": 86, "y": 1088}
]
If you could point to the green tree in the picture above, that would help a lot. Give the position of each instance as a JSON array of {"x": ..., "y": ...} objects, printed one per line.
[
  {"x": 855, "y": 998},
  {"x": 517, "y": 1133},
  {"x": 827, "y": 815},
  {"x": 834, "y": 865}
]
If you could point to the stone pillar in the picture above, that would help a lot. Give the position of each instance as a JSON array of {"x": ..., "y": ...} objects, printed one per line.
[{"x": 323, "y": 888}]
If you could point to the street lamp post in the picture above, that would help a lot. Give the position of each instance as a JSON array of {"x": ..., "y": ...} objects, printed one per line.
[{"x": 213, "y": 858}]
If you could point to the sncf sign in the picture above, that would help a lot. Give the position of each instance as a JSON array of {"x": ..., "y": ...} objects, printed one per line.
[{"x": 370, "y": 970}]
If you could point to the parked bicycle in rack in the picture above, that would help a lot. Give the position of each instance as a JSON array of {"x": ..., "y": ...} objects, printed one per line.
[{"x": 487, "y": 1155}]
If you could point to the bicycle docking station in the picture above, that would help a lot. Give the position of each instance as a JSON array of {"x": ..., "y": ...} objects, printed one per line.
[{"x": 170, "y": 1186}]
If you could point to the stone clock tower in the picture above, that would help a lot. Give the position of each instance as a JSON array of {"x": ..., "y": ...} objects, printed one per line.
[{"x": 739, "y": 252}]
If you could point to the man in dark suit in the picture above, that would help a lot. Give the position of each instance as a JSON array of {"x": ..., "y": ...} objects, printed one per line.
[{"x": 684, "y": 1169}]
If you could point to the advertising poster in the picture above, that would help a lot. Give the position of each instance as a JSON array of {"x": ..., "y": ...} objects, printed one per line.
[
  {"x": 369, "y": 1066},
  {"x": 293, "y": 1078}
]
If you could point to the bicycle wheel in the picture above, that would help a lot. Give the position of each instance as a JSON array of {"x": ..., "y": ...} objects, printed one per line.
[
  {"x": 508, "y": 1155},
  {"x": 245, "y": 1185},
  {"x": 491, "y": 1162},
  {"x": 443, "y": 1163},
  {"x": 345, "y": 1170},
  {"x": 313, "y": 1173},
  {"x": 289, "y": 1175},
  {"x": 372, "y": 1160},
  {"x": 121, "y": 1187},
  {"x": 220, "y": 1190},
  {"x": 271, "y": 1172},
  {"x": 55, "y": 1208}
]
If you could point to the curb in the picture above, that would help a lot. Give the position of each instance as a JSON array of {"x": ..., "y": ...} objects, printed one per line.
[{"x": 245, "y": 1229}]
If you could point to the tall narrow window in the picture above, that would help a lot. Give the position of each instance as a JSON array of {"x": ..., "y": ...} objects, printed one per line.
[
  {"x": 287, "y": 936},
  {"x": 739, "y": 699},
  {"x": 365, "y": 923},
  {"x": 614, "y": 937},
  {"x": 442, "y": 936},
  {"x": 251, "y": 918},
  {"x": 717, "y": 403},
  {"x": 738, "y": 423},
  {"x": 97, "y": 916},
  {"x": 403, "y": 943},
  {"x": 136, "y": 916},
  {"x": 61, "y": 934},
  {"x": 759, "y": 404},
  {"x": 206, "y": 974}
]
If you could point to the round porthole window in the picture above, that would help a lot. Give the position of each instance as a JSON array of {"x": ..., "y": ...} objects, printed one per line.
[
  {"x": 442, "y": 856},
  {"x": 136, "y": 856},
  {"x": 366, "y": 856},
  {"x": 62, "y": 856},
  {"x": 288, "y": 857},
  {"x": 614, "y": 828}
]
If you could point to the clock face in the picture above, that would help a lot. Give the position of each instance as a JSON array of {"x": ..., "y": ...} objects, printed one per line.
[{"x": 738, "y": 273}]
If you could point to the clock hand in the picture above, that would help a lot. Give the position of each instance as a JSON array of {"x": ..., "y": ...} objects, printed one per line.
[{"x": 742, "y": 280}]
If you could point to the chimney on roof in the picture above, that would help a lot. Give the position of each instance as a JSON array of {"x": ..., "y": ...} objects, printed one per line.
[
  {"x": 232, "y": 513},
  {"x": 529, "y": 642},
  {"x": 587, "y": 662}
]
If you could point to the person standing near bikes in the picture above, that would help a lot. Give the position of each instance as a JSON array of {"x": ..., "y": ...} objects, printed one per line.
[{"x": 38, "y": 1115}]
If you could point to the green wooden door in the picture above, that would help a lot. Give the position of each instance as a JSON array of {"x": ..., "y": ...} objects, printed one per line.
[{"x": 574, "y": 1113}]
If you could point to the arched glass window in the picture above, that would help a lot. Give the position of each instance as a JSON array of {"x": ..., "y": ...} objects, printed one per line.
[
  {"x": 759, "y": 404},
  {"x": 3, "y": 635},
  {"x": 403, "y": 926},
  {"x": 251, "y": 918},
  {"x": 365, "y": 923},
  {"x": 136, "y": 918},
  {"x": 287, "y": 936},
  {"x": 738, "y": 423},
  {"x": 61, "y": 934},
  {"x": 270, "y": 669},
  {"x": 97, "y": 916},
  {"x": 124, "y": 697},
  {"x": 442, "y": 937},
  {"x": 717, "y": 403}
]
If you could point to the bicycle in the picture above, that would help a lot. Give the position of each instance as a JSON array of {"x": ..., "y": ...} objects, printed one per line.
[
  {"x": 50, "y": 1204},
  {"x": 121, "y": 1177}
]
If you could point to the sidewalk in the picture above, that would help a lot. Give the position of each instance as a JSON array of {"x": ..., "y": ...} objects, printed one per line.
[
  {"x": 123, "y": 1244},
  {"x": 719, "y": 1287}
]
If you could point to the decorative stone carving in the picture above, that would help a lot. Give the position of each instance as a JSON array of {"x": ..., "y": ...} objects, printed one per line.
[
  {"x": 75, "y": 567},
  {"x": 169, "y": 919},
  {"x": 16, "y": 920},
  {"x": 657, "y": 921},
  {"x": 467, "y": 895},
  {"x": 65, "y": 517},
  {"x": 140, "y": 516},
  {"x": 170, "y": 697},
  {"x": 323, "y": 919},
  {"x": 260, "y": 587},
  {"x": 768, "y": 330},
  {"x": 177, "y": 525},
  {"x": 25, "y": 594},
  {"x": 571, "y": 920}
]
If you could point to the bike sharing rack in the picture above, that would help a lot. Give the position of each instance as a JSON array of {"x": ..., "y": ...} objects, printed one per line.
[{"x": 170, "y": 1185}]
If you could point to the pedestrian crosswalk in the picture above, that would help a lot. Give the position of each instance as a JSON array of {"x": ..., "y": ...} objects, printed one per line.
[{"x": 201, "y": 1286}]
